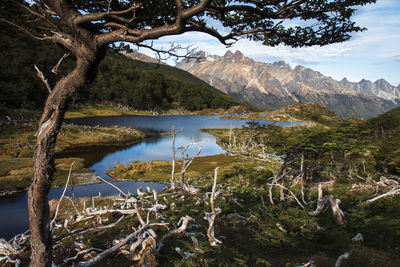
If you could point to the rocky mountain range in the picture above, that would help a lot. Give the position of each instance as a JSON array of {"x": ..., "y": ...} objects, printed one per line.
[{"x": 273, "y": 85}]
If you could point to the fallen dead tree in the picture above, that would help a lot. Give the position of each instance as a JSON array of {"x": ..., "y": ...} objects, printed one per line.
[
  {"x": 147, "y": 244},
  {"x": 393, "y": 192},
  {"x": 143, "y": 244},
  {"x": 327, "y": 201}
]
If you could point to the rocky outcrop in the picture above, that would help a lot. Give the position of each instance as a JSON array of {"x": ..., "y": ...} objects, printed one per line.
[{"x": 272, "y": 86}]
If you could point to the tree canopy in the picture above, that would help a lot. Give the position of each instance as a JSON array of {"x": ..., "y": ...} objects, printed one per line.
[
  {"x": 273, "y": 22},
  {"x": 87, "y": 28}
]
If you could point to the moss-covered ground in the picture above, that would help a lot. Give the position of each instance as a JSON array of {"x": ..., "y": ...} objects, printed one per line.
[
  {"x": 253, "y": 231},
  {"x": 109, "y": 110},
  {"x": 160, "y": 171}
]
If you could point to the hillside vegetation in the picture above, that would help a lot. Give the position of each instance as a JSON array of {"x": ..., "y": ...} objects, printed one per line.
[
  {"x": 270, "y": 195},
  {"x": 121, "y": 81}
]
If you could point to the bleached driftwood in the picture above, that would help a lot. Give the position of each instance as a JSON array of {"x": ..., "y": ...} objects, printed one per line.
[
  {"x": 146, "y": 255},
  {"x": 155, "y": 195},
  {"x": 183, "y": 222},
  {"x": 310, "y": 263},
  {"x": 99, "y": 228},
  {"x": 273, "y": 183},
  {"x": 302, "y": 179},
  {"x": 342, "y": 257},
  {"x": 358, "y": 237},
  {"x": 114, "y": 186},
  {"x": 392, "y": 192},
  {"x": 184, "y": 255},
  {"x": 281, "y": 228},
  {"x": 116, "y": 247},
  {"x": 329, "y": 201},
  {"x": 210, "y": 217},
  {"x": 196, "y": 244},
  {"x": 80, "y": 252},
  {"x": 10, "y": 251},
  {"x": 290, "y": 191}
]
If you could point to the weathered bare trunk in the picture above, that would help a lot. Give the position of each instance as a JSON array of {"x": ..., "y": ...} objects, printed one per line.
[{"x": 43, "y": 159}]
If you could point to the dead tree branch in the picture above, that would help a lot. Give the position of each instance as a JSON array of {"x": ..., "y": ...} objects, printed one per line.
[
  {"x": 55, "y": 68},
  {"x": 392, "y": 192},
  {"x": 107, "y": 182},
  {"x": 62, "y": 195},
  {"x": 211, "y": 217},
  {"x": 184, "y": 223},
  {"x": 342, "y": 257},
  {"x": 186, "y": 162},
  {"x": 329, "y": 201},
  {"x": 42, "y": 78}
]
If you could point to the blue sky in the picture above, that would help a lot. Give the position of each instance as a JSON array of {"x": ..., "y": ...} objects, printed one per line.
[{"x": 371, "y": 54}]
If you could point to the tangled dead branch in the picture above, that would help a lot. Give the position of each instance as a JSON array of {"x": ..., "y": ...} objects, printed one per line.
[{"x": 10, "y": 251}]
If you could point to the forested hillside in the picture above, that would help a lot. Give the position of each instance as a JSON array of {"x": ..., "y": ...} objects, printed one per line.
[{"x": 120, "y": 80}]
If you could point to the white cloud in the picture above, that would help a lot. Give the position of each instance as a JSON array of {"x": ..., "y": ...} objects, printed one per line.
[{"x": 370, "y": 54}]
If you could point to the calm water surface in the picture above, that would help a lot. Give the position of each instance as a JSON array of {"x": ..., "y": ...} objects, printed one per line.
[{"x": 155, "y": 147}]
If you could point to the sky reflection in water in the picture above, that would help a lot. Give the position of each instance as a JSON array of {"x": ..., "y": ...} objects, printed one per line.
[{"x": 152, "y": 148}]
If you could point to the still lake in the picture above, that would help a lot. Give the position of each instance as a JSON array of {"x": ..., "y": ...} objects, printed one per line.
[{"x": 14, "y": 217}]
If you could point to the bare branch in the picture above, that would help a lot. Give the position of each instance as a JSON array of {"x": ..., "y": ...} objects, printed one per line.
[
  {"x": 393, "y": 192},
  {"x": 342, "y": 257},
  {"x": 165, "y": 54},
  {"x": 62, "y": 195},
  {"x": 102, "y": 15},
  {"x": 41, "y": 77},
  {"x": 183, "y": 222},
  {"x": 107, "y": 182},
  {"x": 24, "y": 30},
  {"x": 55, "y": 68}
]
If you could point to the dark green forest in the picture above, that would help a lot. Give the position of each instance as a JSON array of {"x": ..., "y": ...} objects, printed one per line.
[
  {"x": 123, "y": 81},
  {"x": 346, "y": 150}
]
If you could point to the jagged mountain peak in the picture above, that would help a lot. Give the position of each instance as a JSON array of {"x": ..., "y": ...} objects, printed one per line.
[
  {"x": 382, "y": 82},
  {"x": 273, "y": 85},
  {"x": 230, "y": 54},
  {"x": 281, "y": 64}
]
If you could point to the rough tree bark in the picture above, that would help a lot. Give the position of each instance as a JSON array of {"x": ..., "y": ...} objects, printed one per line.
[{"x": 43, "y": 160}]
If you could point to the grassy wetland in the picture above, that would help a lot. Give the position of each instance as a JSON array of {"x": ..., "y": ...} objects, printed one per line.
[
  {"x": 314, "y": 194},
  {"x": 17, "y": 144}
]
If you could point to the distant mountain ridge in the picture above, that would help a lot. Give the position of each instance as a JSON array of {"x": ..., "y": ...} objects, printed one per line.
[{"x": 273, "y": 85}]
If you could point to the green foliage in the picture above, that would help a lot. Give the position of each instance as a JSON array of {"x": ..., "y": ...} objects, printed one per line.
[
  {"x": 378, "y": 222},
  {"x": 311, "y": 112},
  {"x": 150, "y": 86},
  {"x": 120, "y": 80},
  {"x": 384, "y": 131}
]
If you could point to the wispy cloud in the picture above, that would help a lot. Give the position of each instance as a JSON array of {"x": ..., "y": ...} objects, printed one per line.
[{"x": 371, "y": 54}]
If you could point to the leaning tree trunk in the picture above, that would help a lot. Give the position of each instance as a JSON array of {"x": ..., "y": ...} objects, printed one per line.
[{"x": 43, "y": 159}]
